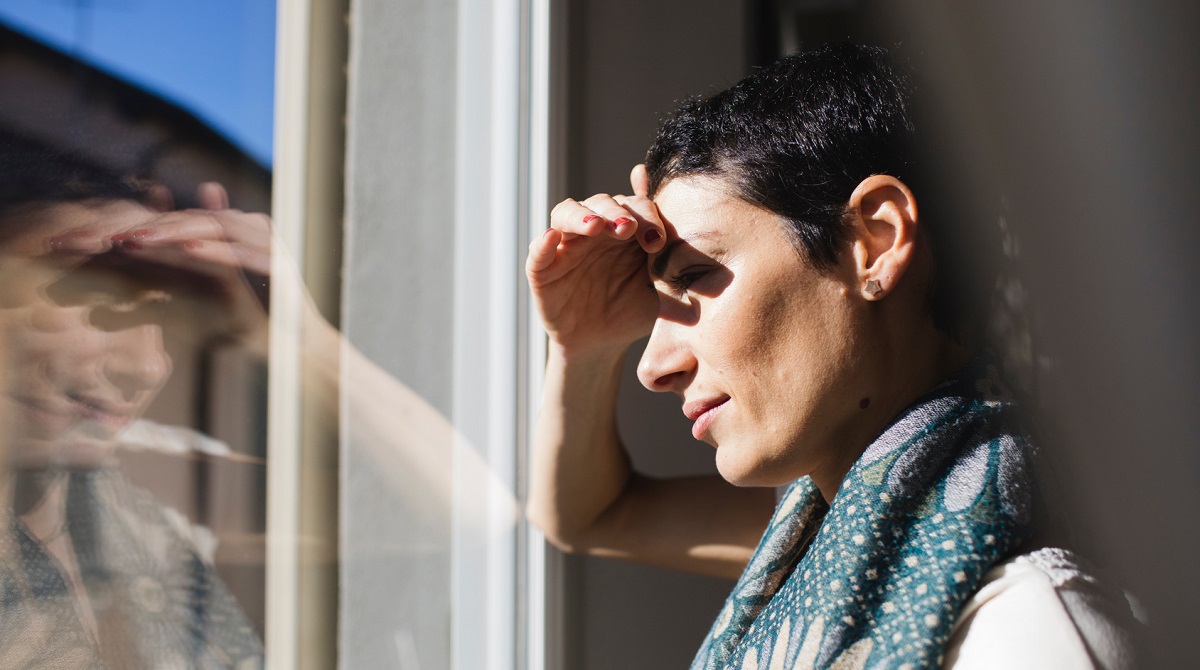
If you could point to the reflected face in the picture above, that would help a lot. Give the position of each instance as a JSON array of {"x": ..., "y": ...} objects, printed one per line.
[
  {"x": 82, "y": 346},
  {"x": 759, "y": 346}
]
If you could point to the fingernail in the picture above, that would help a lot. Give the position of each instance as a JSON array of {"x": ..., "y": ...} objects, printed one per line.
[
  {"x": 589, "y": 218},
  {"x": 651, "y": 236},
  {"x": 133, "y": 234},
  {"x": 131, "y": 245},
  {"x": 622, "y": 221},
  {"x": 547, "y": 233},
  {"x": 65, "y": 240}
]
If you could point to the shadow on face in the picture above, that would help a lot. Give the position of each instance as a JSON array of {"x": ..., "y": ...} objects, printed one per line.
[{"x": 81, "y": 334}]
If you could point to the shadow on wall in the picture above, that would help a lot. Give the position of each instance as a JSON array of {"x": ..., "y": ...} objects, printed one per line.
[{"x": 1088, "y": 128}]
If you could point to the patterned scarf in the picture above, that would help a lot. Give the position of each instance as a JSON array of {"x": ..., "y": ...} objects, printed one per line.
[
  {"x": 157, "y": 603},
  {"x": 876, "y": 579}
]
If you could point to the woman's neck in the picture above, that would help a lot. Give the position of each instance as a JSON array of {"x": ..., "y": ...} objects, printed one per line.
[
  {"x": 39, "y": 499},
  {"x": 906, "y": 365},
  {"x": 40, "y": 502}
]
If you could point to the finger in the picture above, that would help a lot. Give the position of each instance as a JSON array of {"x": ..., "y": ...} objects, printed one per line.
[
  {"x": 244, "y": 228},
  {"x": 542, "y": 251},
  {"x": 83, "y": 241},
  {"x": 207, "y": 253},
  {"x": 621, "y": 222},
  {"x": 573, "y": 218},
  {"x": 198, "y": 250},
  {"x": 215, "y": 258},
  {"x": 250, "y": 259},
  {"x": 651, "y": 232},
  {"x": 639, "y": 178},
  {"x": 226, "y": 238},
  {"x": 193, "y": 253},
  {"x": 170, "y": 229},
  {"x": 159, "y": 198},
  {"x": 211, "y": 195}
]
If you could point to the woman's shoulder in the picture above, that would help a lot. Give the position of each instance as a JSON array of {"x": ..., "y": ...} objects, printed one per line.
[{"x": 1044, "y": 608}]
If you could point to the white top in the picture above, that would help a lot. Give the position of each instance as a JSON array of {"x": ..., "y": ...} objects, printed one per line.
[{"x": 1041, "y": 610}]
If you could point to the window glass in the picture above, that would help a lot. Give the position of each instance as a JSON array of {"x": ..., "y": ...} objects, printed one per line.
[{"x": 135, "y": 183}]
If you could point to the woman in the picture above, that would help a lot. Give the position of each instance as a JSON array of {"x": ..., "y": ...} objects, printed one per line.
[
  {"x": 94, "y": 571},
  {"x": 100, "y": 280},
  {"x": 816, "y": 328}
]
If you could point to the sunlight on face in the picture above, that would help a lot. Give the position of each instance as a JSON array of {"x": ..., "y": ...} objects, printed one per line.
[{"x": 759, "y": 346}]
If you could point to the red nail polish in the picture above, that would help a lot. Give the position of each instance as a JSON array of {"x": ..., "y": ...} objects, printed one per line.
[
  {"x": 133, "y": 234},
  {"x": 651, "y": 236},
  {"x": 622, "y": 221},
  {"x": 589, "y": 218},
  {"x": 547, "y": 233}
]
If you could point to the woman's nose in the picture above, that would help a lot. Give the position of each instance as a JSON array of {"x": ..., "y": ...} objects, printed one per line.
[
  {"x": 667, "y": 364},
  {"x": 137, "y": 361}
]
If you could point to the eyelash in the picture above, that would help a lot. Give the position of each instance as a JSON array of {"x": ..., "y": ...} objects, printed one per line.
[{"x": 681, "y": 282}]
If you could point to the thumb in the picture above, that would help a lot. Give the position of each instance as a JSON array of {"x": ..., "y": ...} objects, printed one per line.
[
  {"x": 211, "y": 195},
  {"x": 639, "y": 178}
]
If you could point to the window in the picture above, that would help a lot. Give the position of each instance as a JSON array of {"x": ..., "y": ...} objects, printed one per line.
[{"x": 282, "y": 413}]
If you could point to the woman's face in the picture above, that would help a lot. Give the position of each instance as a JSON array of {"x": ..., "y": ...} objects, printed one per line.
[
  {"x": 760, "y": 346},
  {"x": 83, "y": 353}
]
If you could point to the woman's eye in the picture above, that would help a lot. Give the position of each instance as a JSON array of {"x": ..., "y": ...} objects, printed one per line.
[{"x": 683, "y": 280}]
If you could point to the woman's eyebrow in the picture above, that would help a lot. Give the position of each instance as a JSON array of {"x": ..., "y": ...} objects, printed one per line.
[{"x": 659, "y": 267}]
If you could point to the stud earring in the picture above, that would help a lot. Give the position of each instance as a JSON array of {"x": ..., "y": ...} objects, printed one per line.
[{"x": 873, "y": 288}]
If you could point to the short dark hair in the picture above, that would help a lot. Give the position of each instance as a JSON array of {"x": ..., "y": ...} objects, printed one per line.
[
  {"x": 797, "y": 137},
  {"x": 32, "y": 172}
]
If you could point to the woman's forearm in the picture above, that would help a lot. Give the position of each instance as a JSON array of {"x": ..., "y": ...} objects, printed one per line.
[{"x": 579, "y": 468}]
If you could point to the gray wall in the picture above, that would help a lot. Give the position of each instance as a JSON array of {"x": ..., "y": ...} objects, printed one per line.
[
  {"x": 1093, "y": 109},
  {"x": 628, "y": 64},
  {"x": 1083, "y": 114}
]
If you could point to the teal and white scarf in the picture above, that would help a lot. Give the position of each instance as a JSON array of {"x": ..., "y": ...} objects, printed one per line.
[{"x": 876, "y": 579}]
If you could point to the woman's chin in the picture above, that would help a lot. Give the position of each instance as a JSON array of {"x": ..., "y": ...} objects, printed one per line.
[{"x": 746, "y": 472}]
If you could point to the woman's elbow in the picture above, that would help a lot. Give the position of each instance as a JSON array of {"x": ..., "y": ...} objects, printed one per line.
[{"x": 555, "y": 532}]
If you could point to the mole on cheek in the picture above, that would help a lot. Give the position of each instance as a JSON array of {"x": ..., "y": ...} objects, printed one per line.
[{"x": 862, "y": 404}]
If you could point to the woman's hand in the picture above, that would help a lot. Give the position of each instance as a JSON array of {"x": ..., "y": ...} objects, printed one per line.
[
  {"x": 228, "y": 247},
  {"x": 588, "y": 270}
]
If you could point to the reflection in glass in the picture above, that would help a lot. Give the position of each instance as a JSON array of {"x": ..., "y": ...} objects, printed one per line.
[
  {"x": 95, "y": 278},
  {"x": 133, "y": 314}
]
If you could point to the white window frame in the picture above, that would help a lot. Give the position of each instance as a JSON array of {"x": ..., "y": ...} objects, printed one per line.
[{"x": 504, "y": 111}]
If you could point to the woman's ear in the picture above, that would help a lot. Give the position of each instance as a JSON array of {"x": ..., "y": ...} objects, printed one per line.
[{"x": 883, "y": 233}]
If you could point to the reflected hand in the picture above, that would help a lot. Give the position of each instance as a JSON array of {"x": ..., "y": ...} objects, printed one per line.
[
  {"x": 588, "y": 270},
  {"x": 229, "y": 247}
]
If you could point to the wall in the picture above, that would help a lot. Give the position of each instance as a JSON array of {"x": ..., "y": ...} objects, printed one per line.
[{"x": 1094, "y": 128}]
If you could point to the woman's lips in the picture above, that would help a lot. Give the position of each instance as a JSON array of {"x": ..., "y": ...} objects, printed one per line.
[
  {"x": 108, "y": 417},
  {"x": 112, "y": 421},
  {"x": 703, "y": 412}
]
